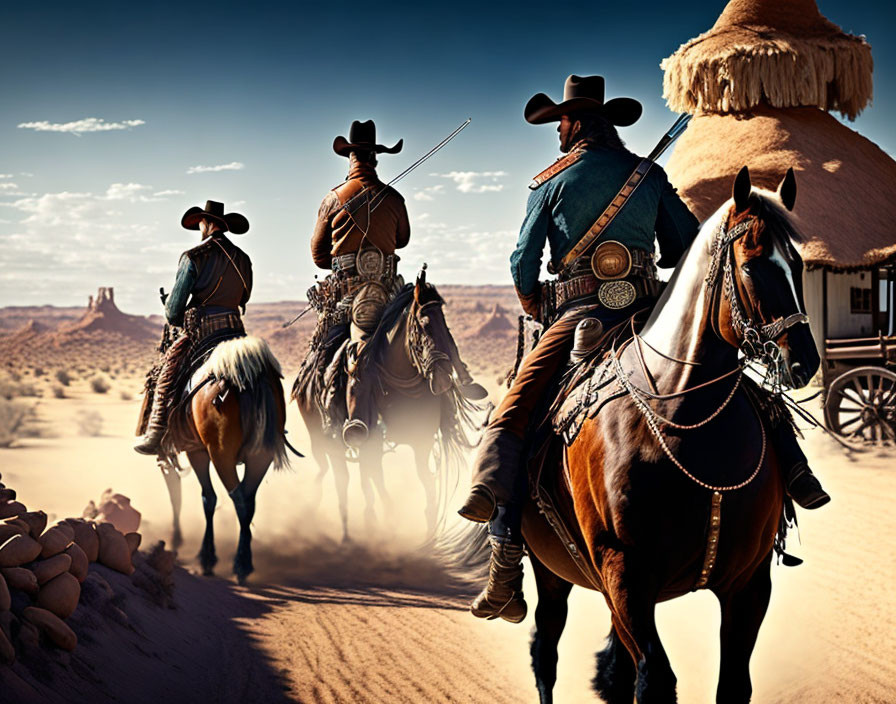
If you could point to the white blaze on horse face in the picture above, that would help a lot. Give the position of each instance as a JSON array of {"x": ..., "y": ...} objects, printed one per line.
[{"x": 777, "y": 256}]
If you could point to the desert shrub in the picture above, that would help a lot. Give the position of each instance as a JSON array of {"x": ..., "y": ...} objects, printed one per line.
[
  {"x": 126, "y": 395},
  {"x": 89, "y": 423},
  {"x": 12, "y": 387},
  {"x": 63, "y": 377},
  {"x": 58, "y": 391},
  {"x": 100, "y": 384},
  {"x": 39, "y": 371},
  {"x": 12, "y": 416},
  {"x": 104, "y": 368}
]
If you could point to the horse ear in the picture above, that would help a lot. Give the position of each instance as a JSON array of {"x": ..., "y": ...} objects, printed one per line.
[
  {"x": 421, "y": 283},
  {"x": 742, "y": 189},
  {"x": 787, "y": 189}
]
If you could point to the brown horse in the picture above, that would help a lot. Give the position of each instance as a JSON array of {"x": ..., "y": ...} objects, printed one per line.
[
  {"x": 236, "y": 415},
  {"x": 674, "y": 486},
  {"x": 413, "y": 357}
]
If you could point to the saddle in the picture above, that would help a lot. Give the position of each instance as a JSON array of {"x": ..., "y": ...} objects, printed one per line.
[{"x": 583, "y": 390}]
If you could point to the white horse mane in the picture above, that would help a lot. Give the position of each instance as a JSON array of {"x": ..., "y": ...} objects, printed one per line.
[{"x": 240, "y": 362}]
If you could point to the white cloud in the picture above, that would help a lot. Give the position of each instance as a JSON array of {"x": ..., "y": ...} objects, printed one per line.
[
  {"x": 426, "y": 194},
  {"x": 9, "y": 186},
  {"x": 169, "y": 192},
  {"x": 475, "y": 181},
  {"x": 5, "y": 175},
  {"x": 79, "y": 127},
  {"x": 232, "y": 166}
]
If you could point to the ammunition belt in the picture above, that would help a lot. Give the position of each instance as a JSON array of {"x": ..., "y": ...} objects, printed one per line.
[{"x": 200, "y": 325}]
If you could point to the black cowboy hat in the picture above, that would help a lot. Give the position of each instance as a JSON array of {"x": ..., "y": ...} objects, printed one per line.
[
  {"x": 362, "y": 137},
  {"x": 582, "y": 95},
  {"x": 231, "y": 222}
]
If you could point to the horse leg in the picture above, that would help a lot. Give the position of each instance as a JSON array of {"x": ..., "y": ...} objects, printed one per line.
[
  {"x": 428, "y": 479},
  {"x": 632, "y": 598},
  {"x": 614, "y": 681},
  {"x": 370, "y": 461},
  {"x": 340, "y": 476},
  {"x": 742, "y": 614},
  {"x": 319, "y": 453},
  {"x": 207, "y": 558},
  {"x": 550, "y": 618},
  {"x": 244, "y": 502},
  {"x": 175, "y": 494}
]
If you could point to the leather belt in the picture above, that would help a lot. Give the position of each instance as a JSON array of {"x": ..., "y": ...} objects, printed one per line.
[
  {"x": 200, "y": 325},
  {"x": 582, "y": 285}
]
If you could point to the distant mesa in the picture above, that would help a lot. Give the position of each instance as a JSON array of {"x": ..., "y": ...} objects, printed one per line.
[
  {"x": 102, "y": 315},
  {"x": 495, "y": 324}
]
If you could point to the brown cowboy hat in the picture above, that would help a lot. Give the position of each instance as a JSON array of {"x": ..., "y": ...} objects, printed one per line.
[
  {"x": 231, "y": 222},
  {"x": 362, "y": 136},
  {"x": 582, "y": 95}
]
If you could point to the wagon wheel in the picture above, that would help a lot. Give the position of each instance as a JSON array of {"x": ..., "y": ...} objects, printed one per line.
[{"x": 861, "y": 404}]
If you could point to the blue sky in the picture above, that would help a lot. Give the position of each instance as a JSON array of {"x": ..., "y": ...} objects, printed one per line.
[{"x": 260, "y": 90}]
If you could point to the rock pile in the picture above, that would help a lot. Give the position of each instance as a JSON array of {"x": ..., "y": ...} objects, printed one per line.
[{"x": 42, "y": 568}]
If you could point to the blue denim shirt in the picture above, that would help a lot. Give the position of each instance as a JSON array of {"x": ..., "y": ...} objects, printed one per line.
[
  {"x": 562, "y": 209},
  {"x": 176, "y": 303}
]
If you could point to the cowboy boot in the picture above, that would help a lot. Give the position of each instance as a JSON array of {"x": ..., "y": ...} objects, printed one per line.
[
  {"x": 800, "y": 483},
  {"x": 494, "y": 474},
  {"x": 151, "y": 441},
  {"x": 503, "y": 595}
]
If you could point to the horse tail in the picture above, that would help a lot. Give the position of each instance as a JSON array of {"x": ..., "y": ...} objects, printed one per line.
[
  {"x": 247, "y": 365},
  {"x": 463, "y": 551}
]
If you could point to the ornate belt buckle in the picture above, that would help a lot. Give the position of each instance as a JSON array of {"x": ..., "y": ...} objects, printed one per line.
[
  {"x": 611, "y": 260},
  {"x": 616, "y": 295},
  {"x": 370, "y": 263}
]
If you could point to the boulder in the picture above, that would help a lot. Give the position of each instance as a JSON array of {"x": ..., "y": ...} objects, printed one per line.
[
  {"x": 52, "y": 626},
  {"x": 60, "y": 595},
  {"x": 36, "y": 520},
  {"x": 79, "y": 564},
  {"x": 7, "y": 530},
  {"x": 55, "y": 539},
  {"x": 8, "y": 509},
  {"x": 5, "y": 598},
  {"x": 117, "y": 510},
  {"x": 85, "y": 537},
  {"x": 133, "y": 541},
  {"x": 7, "y": 652},
  {"x": 45, "y": 570},
  {"x": 20, "y": 578},
  {"x": 18, "y": 550},
  {"x": 114, "y": 550}
]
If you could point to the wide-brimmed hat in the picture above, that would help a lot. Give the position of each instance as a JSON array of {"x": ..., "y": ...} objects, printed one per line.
[
  {"x": 362, "y": 137},
  {"x": 230, "y": 222},
  {"x": 582, "y": 95}
]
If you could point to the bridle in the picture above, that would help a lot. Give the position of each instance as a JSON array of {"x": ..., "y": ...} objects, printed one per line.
[
  {"x": 420, "y": 345},
  {"x": 759, "y": 341}
]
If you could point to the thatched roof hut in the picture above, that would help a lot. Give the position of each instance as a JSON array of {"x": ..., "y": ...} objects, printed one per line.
[
  {"x": 782, "y": 52},
  {"x": 759, "y": 85}
]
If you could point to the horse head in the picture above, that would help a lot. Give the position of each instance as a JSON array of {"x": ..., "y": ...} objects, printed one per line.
[
  {"x": 759, "y": 274},
  {"x": 429, "y": 338}
]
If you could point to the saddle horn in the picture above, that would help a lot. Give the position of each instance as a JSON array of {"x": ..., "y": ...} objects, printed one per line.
[{"x": 421, "y": 277}]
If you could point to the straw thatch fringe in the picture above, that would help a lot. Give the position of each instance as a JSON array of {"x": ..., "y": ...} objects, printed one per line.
[{"x": 734, "y": 71}]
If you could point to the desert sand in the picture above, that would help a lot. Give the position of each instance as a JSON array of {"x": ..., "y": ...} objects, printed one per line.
[{"x": 377, "y": 620}]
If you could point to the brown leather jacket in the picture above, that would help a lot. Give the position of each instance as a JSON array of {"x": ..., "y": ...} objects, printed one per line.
[{"x": 339, "y": 231}]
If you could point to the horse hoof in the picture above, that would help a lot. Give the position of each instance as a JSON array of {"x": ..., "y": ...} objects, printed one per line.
[
  {"x": 208, "y": 571},
  {"x": 241, "y": 579}
]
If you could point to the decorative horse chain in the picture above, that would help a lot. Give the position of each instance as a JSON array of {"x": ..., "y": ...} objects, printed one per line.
[{"x": 759, "y": 342}]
